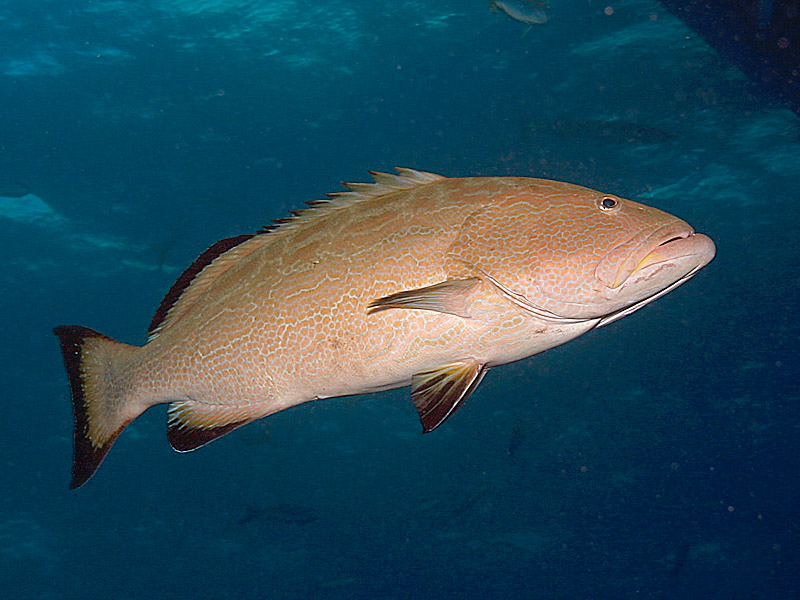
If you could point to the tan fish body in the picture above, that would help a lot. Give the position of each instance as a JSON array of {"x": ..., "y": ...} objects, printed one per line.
[{"x": 414, "y": 280}]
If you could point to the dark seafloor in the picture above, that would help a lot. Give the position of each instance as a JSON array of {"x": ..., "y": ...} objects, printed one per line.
[{"x": 655, "y": 458}]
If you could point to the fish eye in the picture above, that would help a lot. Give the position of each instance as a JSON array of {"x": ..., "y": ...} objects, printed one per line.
[{"x": 608, "y": 203}]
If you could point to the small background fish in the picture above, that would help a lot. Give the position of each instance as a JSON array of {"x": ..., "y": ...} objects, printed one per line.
[{"x": 530, "y": 12}]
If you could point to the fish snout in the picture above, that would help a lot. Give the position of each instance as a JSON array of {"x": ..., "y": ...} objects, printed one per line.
[
  {"x": 694, "y": 251},
  {"x": 622, "y": 261}
]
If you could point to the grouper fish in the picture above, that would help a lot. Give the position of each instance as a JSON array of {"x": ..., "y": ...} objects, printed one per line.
[{"x": 416, "y": 279}]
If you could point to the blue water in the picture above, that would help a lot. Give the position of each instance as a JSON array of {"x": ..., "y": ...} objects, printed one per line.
[{"x": 654, "y": 458}]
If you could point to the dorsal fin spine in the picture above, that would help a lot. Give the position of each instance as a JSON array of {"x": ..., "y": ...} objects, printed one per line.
[{"x": 385, "y": 183}]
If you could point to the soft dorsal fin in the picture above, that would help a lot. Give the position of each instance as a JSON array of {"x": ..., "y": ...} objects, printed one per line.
[
  {"x": 220, "y": 257},
  {"x": 199, "y": 276}
]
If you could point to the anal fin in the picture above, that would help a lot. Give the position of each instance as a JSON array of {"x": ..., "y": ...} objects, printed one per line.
[
  {"x": 438, "y": 393},
  {"x": 191, "y": 424}
]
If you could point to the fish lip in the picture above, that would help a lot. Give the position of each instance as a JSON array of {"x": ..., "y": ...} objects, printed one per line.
[
  {"x": 694, "y": 251},
  {"x": 616, "y": 267},
  {"x": 683, "y": 246},
  {"x": 677, "y": 238}
]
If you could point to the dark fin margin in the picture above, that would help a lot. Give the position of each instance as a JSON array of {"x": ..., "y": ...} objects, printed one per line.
[
  {"x": 86, "y": 457},
  {"x": 186, "y": 278},
  {"x": 184, "y": 438}
]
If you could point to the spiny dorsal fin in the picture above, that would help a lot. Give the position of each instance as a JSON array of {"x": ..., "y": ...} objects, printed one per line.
[
  {"x": 385, "y": 183},
  {"x": 220, "y": 257}
]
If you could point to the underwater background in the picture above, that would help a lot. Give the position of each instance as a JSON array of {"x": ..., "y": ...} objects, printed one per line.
[{"x": 654, "y": 458}]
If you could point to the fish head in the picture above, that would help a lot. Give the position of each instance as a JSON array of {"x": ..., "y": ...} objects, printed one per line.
[{"x": 568, "y": 253}]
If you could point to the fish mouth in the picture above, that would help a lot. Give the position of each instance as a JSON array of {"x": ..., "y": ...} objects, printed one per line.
[
  {"x": 689, "y": 250},
  {"x": 666, "y": 266},
  {"x": 645, "y": 248}
]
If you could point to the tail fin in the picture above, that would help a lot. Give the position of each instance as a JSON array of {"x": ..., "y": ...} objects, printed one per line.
[{"x": 98, "y": 397}]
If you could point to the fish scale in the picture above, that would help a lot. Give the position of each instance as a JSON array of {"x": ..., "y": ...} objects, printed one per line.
[{"x": 415, "y": 279}]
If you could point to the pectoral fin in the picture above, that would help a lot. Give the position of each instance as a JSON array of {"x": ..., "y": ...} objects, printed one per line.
[
  {"x": 438, "y": 393},
  {"x": 451, "y": 297}
]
